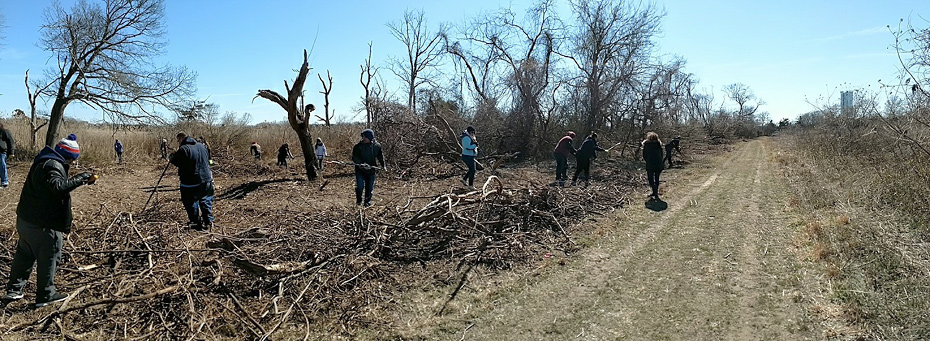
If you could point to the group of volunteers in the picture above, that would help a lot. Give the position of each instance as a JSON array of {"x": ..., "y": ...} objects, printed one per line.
[{"x": 44, "y": 209}]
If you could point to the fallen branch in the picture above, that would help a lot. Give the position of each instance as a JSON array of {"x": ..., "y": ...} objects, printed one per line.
[{"x": 86, "y": 305}]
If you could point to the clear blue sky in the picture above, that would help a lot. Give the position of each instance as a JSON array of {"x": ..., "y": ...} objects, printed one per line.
[{"x": 786, "y": 51}]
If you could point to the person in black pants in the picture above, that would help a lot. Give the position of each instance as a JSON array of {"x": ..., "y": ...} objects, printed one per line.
[
  {"x": 196, "y": 180},
  {"x": 583, "y": 156},
  {"x": 673, "y": 145},
  {"x": 43, "y": 216},
  {"x": 652, "y": 154},
  {"x": 365, "y": 155}
]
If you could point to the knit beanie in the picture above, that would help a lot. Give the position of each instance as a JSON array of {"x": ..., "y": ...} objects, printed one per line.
[
  {"x": 368, "y": 133},
  {"x": 68, "y": 147}
]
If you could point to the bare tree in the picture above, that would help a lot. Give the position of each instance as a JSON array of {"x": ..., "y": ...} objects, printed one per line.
[
  {"x": 368, "y": 72},
  {"x": 508, "y": 58},
  {"x": 104, "y": 60},
  {"x": 327, "y": 116},
  {"x": 744, "y": 98},
  {"x": 612, "y": 42},
  {"x": 297, "y": 117},
  {"x": 34, "y": 117},
  {"x": 424, "y": 50}
]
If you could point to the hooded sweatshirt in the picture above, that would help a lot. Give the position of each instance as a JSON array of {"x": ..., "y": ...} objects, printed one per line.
[{"x": 193, "y": 163}]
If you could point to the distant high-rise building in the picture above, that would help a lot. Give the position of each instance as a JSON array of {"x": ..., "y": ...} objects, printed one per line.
[{"x": 846, "y": 100}]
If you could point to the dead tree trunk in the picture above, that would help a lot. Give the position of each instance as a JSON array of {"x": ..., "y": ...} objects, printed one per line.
[
  {"x": 33, "y": 118},
  {"x": 327, "y": 116},
  {"x": 297, "y": 117}
]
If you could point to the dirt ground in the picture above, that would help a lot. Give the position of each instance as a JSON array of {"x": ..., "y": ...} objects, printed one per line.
[
  {"x": 719, "y": 263},
  {"x": 530, "y": 262}
]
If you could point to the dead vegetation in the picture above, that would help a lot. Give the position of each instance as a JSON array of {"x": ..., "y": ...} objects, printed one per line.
[{"x": 304, "y": 268}]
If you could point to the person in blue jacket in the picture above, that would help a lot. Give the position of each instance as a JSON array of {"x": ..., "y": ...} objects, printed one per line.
[
  {"x": 196, "y": 179},
  {"x": 469, "y": 152},
  {"x": 118, "y": 148}
]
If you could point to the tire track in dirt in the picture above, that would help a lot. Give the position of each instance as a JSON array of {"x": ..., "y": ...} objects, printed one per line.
[{"x": 698, "y": 270}]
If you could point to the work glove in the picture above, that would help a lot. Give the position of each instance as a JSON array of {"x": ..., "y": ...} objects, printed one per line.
[{"x": 83, "y": 177}]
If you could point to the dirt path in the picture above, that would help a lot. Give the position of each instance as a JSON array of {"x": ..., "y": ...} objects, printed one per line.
[{"x": 718, "y": 263}]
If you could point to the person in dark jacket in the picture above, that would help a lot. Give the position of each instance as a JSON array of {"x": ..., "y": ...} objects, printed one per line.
[
  {"x": 583, "y": 156},
  {"x": 196, "y": 181},
  {"x": 562, "y": 150},
  {"x": 118, "y": 148},
  {"x": 652, "y": 154},
  {"x": 673, "y": 145},
  {"x": 42, "y": 217},
  {"x": 6, "y": 150},
  {"x": 284, "y": 152},
  {"x": 469, "y": 152},
  {"x": 365, "y": 154},
  {"x": 256, "y": 150}
]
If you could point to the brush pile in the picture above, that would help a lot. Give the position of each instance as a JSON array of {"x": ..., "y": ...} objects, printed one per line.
[{"x": 288, "y": 272}]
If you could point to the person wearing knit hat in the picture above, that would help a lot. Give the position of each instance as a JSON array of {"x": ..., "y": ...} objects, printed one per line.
[
  {"x": 366, "y": 155},
  {"x": 42, "y": 216},
  {"x": 562, "y": 150}
]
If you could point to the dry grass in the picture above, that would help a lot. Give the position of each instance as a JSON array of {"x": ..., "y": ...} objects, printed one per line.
[{"x": 865, "y": 218}]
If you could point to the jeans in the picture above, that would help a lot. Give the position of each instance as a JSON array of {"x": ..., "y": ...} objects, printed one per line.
[
  {"x": 583, "y": 167},
  {"x": 36, "y": 245},
  {"x": 198, "y": 202},
  {"x": 319, "y": 162},
  {"x": 470, "y": 175},
  {"x": 653, "y": 177},
  {"x": 4, "y": 177},
  {"x": 364, "y": 181},
  {"x": 119, "y": 158},
  {"x": 561, "y": 166}
]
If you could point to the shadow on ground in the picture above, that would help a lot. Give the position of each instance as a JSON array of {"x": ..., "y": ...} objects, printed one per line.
[{"x": 656, "y": 205}]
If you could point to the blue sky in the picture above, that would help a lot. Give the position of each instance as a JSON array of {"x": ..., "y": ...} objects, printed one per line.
[{"x": 789, "y": 52}]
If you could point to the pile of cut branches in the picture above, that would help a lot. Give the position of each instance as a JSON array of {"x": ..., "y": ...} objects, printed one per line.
[{"x": 295, "y": 273}]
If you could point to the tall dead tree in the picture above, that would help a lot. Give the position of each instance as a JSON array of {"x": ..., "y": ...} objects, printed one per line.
[
  {"x": 423, "y": 52},
  {"x": 368, "y": 73},
  {"x": 327, "y": 115},
  {"x": 33, "y": 119},
  {"x": 104, "y": 60},
  {"x": 297, "y": 117}
]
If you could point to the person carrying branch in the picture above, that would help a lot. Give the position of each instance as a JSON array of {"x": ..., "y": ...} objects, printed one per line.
[
  {"x": 652, "y": 154},
  {"x": 562, "y": 150},
  {"x": 365, "y": 155},
  {"x": 469, "y": 152},
  {"x": 284, "y": 153},
  {"x": 585, "y": 154},
  {"x": 6, "y": 151},
  {"x": 43, "y": 216},
  {"x": 196, "y": 180},
  {"x": 673, "y": 145},
  {"x": 320, "y": 153}
]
